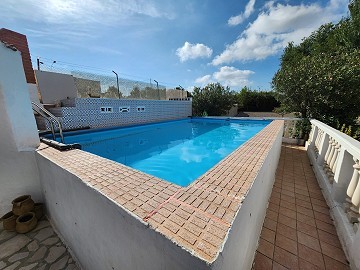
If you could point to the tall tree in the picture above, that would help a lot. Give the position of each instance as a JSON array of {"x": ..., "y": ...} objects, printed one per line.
[{"x": 320, "y": 77}]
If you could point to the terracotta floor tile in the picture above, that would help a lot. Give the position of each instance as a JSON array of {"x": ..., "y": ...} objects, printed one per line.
[
  {"x": 321, "y": 209},
  {"x": 261, "y": 262},
  {"x": 311, "y": 256},
  {"x": 286, "y": 243},
  {"x": 305, "y": 211},
  {"x": 268, "y": 235},
  {"x": 275, "y": 200},
  {"x": 332, "y": 264},
  {"x": 285, "y": 258},
  {"x": 323, "y": 217},
  {"x": 287, "y": 221},
  {"x": 308, "y": 229},
  {"x": 333, "y": 252},
  {"x": 270, "y": 224},
  {"x": 288, "y": 193},
  {"x": 306, "y": 219},
  {"x": 287, "y": 198},
  {"x": 287, "y": 231},
  {"x": 302, "y": 197},
  {"x": 266, "y": 248},
  {"x": 308, "y": 241},
  {"x": 287, "y": 212},
  {"x": 277, "y": 266},
  {"x": 329, "y": 238},
  {"x": 330, "y": 228},
  {"x": 288, "y": 205},
  {"x": 302, "y": 192},
  {"x": 272, "y": 215},
  {"x": 320, "y": 202},
  {"x": 303, "y": 203},
  {"x": 274, "y": 207},
  {"x": 305, "y": 265}
]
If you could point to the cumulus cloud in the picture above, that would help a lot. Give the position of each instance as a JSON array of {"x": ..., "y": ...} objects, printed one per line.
[
  {"x": 228, "y": 76},
  {"x": 193, "y": 51},
  {"x": 276, "y": 26},
  {"x": 249, "y": 9}
]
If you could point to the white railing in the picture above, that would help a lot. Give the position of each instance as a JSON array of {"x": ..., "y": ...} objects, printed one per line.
[{"x": 335, "y": 157}]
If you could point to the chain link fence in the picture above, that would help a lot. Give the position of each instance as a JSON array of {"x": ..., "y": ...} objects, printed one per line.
[{"x": 104, "y": 84}]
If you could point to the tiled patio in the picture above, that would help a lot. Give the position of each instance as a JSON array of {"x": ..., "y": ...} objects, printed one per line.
[{"x": 298, "y": 232}]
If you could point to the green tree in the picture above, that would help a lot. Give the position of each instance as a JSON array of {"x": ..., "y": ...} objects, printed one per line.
[
  {"x": 135, "y": 92},
  {"x": 259, "y": 101},
  {"x": 213, "y": 99},
  {"x": 320, "y": 77}
]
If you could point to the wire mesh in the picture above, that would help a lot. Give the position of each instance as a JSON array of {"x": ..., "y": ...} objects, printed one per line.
[{"x": 93, "y": 82}]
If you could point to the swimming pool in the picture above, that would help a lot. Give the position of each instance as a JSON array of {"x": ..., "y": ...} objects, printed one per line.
[{"x": 177, "y": 151}]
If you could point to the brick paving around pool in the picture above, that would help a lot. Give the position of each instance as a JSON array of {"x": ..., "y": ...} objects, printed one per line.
[
  {"x": 198, "y": 217},
  {"x": 298, "y": 232}
]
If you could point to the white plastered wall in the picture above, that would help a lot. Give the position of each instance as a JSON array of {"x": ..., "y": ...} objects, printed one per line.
[
  {"x": 55, "y": 87},
  {"x": 101, "y": 234},
  {"x": 240, "y": 247},
  {"x": 18, "y": 133}
]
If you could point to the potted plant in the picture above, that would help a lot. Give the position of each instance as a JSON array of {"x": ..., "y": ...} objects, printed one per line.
[{"x": 302, "y": 130}]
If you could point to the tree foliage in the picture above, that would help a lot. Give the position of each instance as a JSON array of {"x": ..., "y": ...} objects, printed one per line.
[
  {"x": 213, "y": 99},
  {"x": 147, "y": 93},
  {"x": 320, "y": 77},
  {"x": 111, "y": 92},
  {"x": 256, "y": 101}
]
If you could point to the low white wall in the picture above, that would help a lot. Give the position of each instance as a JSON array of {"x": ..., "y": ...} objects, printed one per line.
[
  {"x": 241, "y": 245},
  {"x": 100, "y": 233},
  {"x": 55, "y": 87},
  {"x": 18, "y": 133}
]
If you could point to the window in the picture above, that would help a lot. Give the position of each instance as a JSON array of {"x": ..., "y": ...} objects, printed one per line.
[
  {"x": 106, "y": 109},
  {"x": 124, "y": 109},
  {"x": 140, "y": 109}
]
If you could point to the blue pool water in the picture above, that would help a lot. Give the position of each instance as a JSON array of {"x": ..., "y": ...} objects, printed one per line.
[{"x": 177, "y": 151}]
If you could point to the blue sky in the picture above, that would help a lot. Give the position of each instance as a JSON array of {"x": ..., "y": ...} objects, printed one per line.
[{"x": 188, "y": 42}]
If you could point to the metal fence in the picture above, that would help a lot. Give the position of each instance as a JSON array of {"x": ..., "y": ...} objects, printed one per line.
[{"x": 107, "y": 84}]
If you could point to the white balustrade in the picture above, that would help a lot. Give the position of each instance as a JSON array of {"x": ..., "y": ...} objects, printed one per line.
[
  {"x": 333, "y": 167},
  {"x": 335, "y": 158}
]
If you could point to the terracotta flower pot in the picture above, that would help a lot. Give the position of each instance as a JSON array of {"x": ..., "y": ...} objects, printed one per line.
[
  {"x": 25, "y": 223},
  {"x": 39, "y": 210},
  {"x": 9, "y": 221},
  {"x": 22, "y": 205}
]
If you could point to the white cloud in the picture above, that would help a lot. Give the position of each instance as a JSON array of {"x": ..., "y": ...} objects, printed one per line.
[
  {"x": 249, "y": 9},
  {"x": 193, "y": 51},
  {"x": 79, "y": 12},
  {"x": 203, "y": 80},
  {"x": 228, "y": 76},
  {"x": 276, "y": 26}
]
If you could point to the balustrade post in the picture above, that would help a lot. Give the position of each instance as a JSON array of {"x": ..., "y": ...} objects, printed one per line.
[
  {"x": 352, "y": 203},
  {"x": 324, "y": 145},
  {"x": 327, "y": 162},
  {"x": 314, "y": 133}
]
